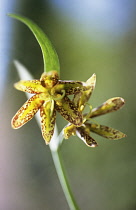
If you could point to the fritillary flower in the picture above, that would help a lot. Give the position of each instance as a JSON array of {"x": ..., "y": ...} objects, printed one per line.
[
  {"x": 83, "y": 131},
  {"x": 50, "y": 95}
]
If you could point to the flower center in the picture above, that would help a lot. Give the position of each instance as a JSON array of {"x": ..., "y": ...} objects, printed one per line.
[
  {"x": 58, "y": 96},
  {"x": 49, "y": 96}
]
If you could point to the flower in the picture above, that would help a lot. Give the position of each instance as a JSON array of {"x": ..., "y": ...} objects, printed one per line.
[
  {"x": 51, "y": 95},
  {"x": 83, "y": 131}
]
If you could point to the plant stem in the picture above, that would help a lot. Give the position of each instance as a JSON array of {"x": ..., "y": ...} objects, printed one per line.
[{"x": 63, "y": 180}]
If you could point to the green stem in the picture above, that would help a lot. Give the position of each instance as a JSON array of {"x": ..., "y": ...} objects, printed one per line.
[{"x": 63, "y": 180}]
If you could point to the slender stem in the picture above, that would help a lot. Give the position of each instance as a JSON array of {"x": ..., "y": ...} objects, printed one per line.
[{"x": 63, "y": 180}]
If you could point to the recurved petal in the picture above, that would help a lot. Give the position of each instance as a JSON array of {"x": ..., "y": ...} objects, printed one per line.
[
  {"x": 69, "y": 130},
  {"x": 84, "y": 135},
  {"x": 69, "y": 111},
  {"x": 27, "y": 111},
  {"x": 105, "y": 131},
  {"x": 48, "y": 117},
  {"x": 110, "y": 105},
  {"x": 30, "y": 86}
]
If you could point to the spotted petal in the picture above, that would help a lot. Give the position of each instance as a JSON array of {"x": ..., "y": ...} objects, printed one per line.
[
  {"x": 84, "y": 135},
  {"x": 71, "y": 87},
  {"x": 69, "y": 130},
  {"x": 105, "y": 131},
  {"x": 110, "y": 105},
  {"x": 27, "y": 111},
  {"x": 48, "y": 117},
  {"x": 69, "y": 111},
  {"x": 30, "y": 86},
  {"x": 81, "y": 98}
]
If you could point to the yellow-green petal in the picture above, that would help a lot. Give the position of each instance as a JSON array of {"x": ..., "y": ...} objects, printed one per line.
[
  {"x": 92, "y": 81},
  {"x": 69, "y": 111},
  {"x": 69, "y": 130},
  {"x": 83, "y": 135},
  {"x": 105, "y": 131},
  {"x": 82, "y": 97},
  {"x": 48, "y": 117},
  {"x": 30, "y": 86},
  {"x": 27, "y": 111},
  {"x": 110, "y": 105},
  {"x": 71, "y": 87}
]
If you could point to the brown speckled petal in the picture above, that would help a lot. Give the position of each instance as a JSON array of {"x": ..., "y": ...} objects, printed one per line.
[
  {"x": 69, "y": 130},
  {"x": 48, "y": 118},
  {"x": 84, "y": 135},
  {"x": 69, "y": 111},
  {"x": 105, "y": 131},
  {"x": 30, "y": 86},
  {"x": 71, "y": 87},
  {"x": 27, "y": 111},
  {"x": 110, "y": 105},
  {"x": 81, "y": 98}
]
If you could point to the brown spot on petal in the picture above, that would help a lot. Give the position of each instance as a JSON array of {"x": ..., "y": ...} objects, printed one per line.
[
  {"x": 88, "y": 140},
  {"x": 27, "y": 111},
  {"x": 71, "y": 87},
  {"x": 69, "y": 111},
  {"x": 48, "y": 118},
  {"x": 81, "y": 98},
  {"x": 105, "y": 131},
  {"x": 110, "y": 105},
  {"x": 69, "y": 130}
]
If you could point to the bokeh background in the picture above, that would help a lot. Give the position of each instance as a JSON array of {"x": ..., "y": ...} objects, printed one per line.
[{"x": 90, "y": 36}]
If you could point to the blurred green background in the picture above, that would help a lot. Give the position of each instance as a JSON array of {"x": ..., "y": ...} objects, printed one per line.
[{"x": 90, "y": 36}]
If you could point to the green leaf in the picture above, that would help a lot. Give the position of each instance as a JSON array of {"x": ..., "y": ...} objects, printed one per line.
[{"x": 50, "y": 57}]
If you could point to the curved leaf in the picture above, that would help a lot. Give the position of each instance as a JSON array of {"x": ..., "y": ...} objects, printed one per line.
[{"x": 50, "y": 57}]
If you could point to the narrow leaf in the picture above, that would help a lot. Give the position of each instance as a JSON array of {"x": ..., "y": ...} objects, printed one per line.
[{"x": 50, "y": 57}]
